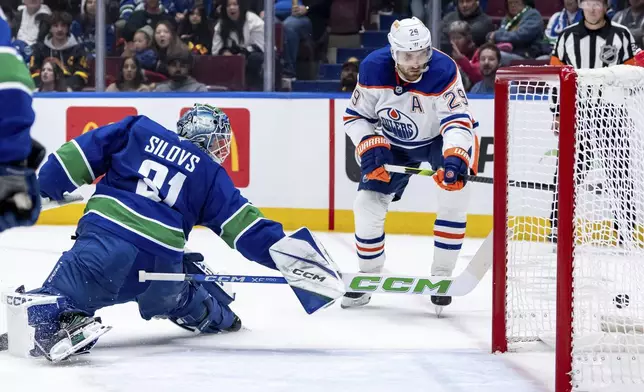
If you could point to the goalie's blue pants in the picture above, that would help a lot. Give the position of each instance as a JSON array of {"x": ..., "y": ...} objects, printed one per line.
[{"x": 101, "y": 269}]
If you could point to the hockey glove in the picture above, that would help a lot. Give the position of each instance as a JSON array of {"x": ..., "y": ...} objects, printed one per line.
[
  {"x": 374, "y": 152},
  {"x": 19, "y": 191},
  {"x": 454, "y": 174},
  {"x": 308, "y": 269}
]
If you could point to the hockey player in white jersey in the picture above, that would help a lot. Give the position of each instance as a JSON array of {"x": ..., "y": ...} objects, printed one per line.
[{"x": 409, "y": 107}]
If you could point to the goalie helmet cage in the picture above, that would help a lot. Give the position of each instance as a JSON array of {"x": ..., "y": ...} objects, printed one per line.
[{"x": 580, "y": 285}]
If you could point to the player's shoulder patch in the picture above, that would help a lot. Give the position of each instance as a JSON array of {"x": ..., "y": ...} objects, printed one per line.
[
  {"x": 377, "y": 69},
  {"x": 442, "y": 72}
]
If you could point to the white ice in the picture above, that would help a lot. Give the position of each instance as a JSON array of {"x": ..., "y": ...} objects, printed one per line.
[{"x": 394, "y": 343}]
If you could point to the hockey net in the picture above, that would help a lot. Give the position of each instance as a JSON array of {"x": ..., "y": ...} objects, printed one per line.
[{"x": 569, "y": 259}]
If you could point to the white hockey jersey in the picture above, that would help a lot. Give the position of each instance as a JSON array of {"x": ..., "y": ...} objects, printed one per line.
[{"x": 411, "y": 115}]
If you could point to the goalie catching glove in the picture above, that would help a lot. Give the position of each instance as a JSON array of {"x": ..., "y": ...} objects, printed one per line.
[
  {"x": 308, "y": 269},
  {"x": 453, "y": 175}
]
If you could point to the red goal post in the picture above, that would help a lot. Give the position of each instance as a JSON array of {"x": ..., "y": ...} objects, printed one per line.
[{"x": 598, "y": 231}]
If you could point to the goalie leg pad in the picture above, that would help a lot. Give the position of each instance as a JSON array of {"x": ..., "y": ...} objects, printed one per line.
[
  {"x": 49, "y": 325},
  {"x": 370, "y": 210},
  {"x": 201, "y": 312},
  {"x": 449, "y": 229},
  {"x": 309, "y": 270}
]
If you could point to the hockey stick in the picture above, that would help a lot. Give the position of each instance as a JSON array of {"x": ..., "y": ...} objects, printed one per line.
[
  {"x": 459, "y": 285},
  {"x": 48, "y": 204},
  {"x": 486, "y": 180}
]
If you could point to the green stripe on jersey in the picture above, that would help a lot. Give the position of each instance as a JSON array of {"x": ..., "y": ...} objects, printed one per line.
[
  {"x": 73, "y": 159},
  {"x": 13, "y": 69},
  {"x": 238, "y": 223},
  {"x": 117, "y": 212}
]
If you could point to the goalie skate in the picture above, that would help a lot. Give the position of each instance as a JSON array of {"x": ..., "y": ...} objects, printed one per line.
[
  {"x": 77, "y": 336},
  {"x": 352, "y": 300}
]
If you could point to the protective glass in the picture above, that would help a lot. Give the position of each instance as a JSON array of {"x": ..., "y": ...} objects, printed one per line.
[{"x": 415, "y": 58}]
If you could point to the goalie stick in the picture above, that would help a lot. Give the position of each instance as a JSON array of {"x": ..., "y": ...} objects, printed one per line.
[
  {"x": 48, "y": 204},
  {"x": 459, "y": 285},
  {"x": 486, "y": 180}
]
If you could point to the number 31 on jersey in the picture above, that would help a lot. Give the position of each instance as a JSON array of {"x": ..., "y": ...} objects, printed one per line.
[{"x": 151, "y": 183}]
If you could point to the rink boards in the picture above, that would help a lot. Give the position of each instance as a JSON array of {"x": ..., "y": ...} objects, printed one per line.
[{"x": 290, "y": 155}]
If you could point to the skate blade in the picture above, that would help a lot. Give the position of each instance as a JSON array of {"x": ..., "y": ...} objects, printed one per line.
[
  {"x": 439, "y": 310},
  {"x": 347, "y": 303},
  {"x": 70, "y": 351}
]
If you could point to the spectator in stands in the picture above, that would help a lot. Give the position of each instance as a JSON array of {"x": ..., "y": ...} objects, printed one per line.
[
  {"x": 51, "y": 78},
  {"x": 61, "y": 45},
  {"x": 130, "y": 77},
  {"x": 84, "y": 29},
  {"x": 241, "y": 32},
  {"x": 182, "y": 9},
  {"x": 616, "y": 5},
  {"x": 463, "y": 49},
  {"x": 349, "y": 75},
  {"x": 145, "y": 56},
  {"x": 489, "y": 63},
  {"x": 151, "y": 13},
  {"x": 23, "y": 50},
  {"x": 28, "y": 21},
  {"x": 471, "y": 12},
  {"x": 633, "y": 18},
  {"x": 166, "y": 43},
  {"x": 180, "y": 70},
  {"x": 523, "y": 29},
  {"x": 196, "y": 31},
  {"x": 297, "y": 28},
  {"x": 571, "y": 14}
]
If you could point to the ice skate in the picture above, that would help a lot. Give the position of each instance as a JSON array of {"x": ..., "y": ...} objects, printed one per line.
[
  {"x": 77, "y": 335},
  {"x": 441, "y": 302},
  {"x": 352, "y": 300},
  {"x": 237, "y": 325}
]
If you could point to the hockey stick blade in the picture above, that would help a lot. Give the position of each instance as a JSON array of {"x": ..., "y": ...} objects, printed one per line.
[
  {"x": 460, "y": 285},
  {"x": 485, "y": 180}
]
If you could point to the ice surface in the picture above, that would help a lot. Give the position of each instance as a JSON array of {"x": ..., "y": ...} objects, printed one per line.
[{"x": 394, "y": 343}]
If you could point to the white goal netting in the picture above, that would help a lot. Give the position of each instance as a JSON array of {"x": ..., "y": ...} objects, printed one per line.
[{"x": 608, "y": 255}]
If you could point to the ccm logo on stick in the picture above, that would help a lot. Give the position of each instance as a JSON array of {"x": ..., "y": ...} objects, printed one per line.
[{"x": 308, "y": 275}]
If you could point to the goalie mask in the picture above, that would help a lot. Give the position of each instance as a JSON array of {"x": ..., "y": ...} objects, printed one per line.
[
  {"x": 208, "y": 128},
  {"x": 411, "y": 47}
]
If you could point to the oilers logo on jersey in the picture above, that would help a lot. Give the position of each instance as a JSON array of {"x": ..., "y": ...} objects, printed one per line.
[{"x": 396, "y": 124}]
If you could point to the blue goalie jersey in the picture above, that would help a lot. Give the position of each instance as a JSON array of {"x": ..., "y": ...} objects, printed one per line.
[
  {"x": 156, "y": 188},
  {"x": 16, "y": 114}
]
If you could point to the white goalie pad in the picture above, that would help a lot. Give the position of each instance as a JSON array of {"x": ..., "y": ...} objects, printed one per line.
[{"x": 19, "y": 331}]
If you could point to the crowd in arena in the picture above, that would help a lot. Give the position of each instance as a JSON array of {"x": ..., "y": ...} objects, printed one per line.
[{"x": 214, "y": 45}]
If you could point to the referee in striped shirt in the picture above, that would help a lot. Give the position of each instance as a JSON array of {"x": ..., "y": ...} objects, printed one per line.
[{"x": 596, "y": 42}]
